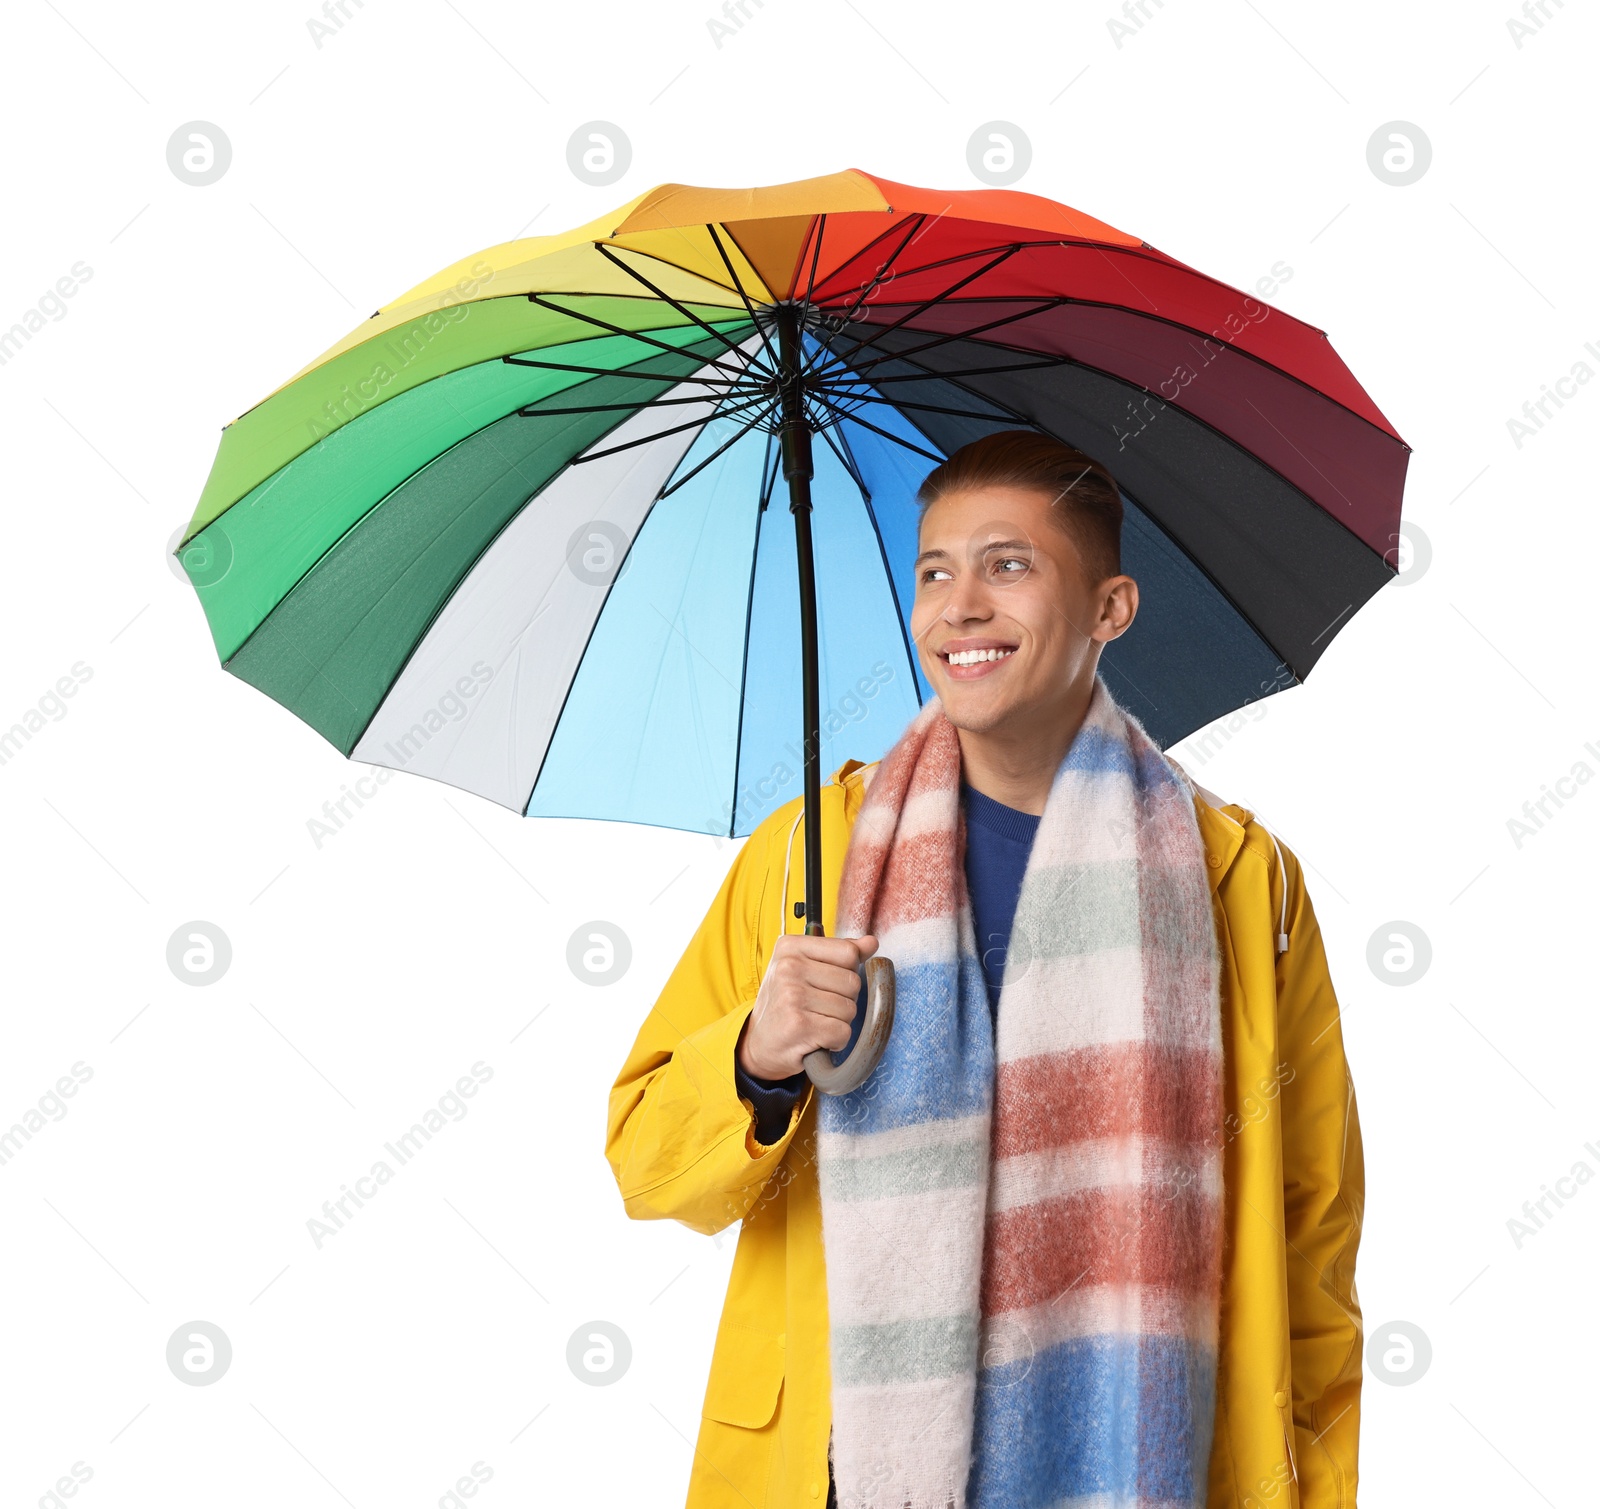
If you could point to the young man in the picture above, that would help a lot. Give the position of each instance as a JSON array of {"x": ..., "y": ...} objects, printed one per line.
[{"x": 1094, "y": 1235}]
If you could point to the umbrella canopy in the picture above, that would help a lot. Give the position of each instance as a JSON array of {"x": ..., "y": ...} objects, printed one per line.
[{"x": 513, "y": 531}]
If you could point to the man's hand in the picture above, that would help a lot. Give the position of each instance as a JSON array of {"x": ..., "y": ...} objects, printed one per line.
[{"x": 807, "y": 1001}]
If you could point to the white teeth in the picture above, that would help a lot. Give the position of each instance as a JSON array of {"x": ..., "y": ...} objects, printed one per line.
[{"x": 972, "y": 657}]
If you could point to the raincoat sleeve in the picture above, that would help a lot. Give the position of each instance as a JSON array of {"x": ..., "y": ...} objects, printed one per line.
[
  {"x": 679, "y": 1138},
  {"x": 773, "y": 1099},
  {"x": 1323, "y": 1196}
]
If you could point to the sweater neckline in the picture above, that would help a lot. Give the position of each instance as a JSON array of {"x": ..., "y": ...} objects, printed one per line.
[{"x": 1008, "y": 822}]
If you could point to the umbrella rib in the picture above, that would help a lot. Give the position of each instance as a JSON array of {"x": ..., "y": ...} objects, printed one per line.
[
  {"x": 628, "y": 445},
  {"x": 961, "y": 335},
  {"x": 883, "y": 555},
  {"x": 769, "y": 473},
  {"x": 1150, "y": 514},
  {"x": 916, "y": 309},
  {"x": 610, "y": 256},
  {"x": 934, "y": 375},
  {"x": 871, "y": 283},
  {"x": 1159, "y": 319},
  {"x": 744, "y": 662},
  {"x": 877, "y": 382},
  {"x": 816, "y": 252},
  {"x": 533, "y": 411},
  {"x": 967, "y": 256},
  {"x": 847, "y": 462},
  {"x": 750, "y": 308},
  {"x": 1006, "y": 409},
  {"x": 927, "y": 408},
  {"x": 984, "y": 251},
  {"x": 861, "y": 251},
  {"x": 889, "y": 435},
  {"x": 600, "y": 324},
  {"x": 739, "y": 434},
  {"x": 809, "y": 365},
  {"x": 520, "y": 361}
]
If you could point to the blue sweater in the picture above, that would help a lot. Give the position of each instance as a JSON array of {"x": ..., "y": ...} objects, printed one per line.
[{"x": 999, "y": 840}]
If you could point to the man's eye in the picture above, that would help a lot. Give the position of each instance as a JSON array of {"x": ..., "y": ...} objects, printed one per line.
[{"x": 1014, "y": 560}]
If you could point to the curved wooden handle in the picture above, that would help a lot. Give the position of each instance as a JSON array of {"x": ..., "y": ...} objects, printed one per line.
[{"x": 841, "y": 1079}]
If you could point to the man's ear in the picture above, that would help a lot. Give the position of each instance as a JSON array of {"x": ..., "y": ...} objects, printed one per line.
[{"x": 1119, "y": 606}]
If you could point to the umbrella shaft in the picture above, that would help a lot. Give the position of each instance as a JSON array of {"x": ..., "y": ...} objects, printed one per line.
[{"x": 797, "y": 469}]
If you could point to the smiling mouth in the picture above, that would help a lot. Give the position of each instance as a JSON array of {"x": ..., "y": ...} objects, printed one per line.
[
  {"x": 975, "y": 657},
  {"x": 969, "y": 665}
]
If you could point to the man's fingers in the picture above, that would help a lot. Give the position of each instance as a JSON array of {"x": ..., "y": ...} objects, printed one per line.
[
  {"x": 841, "y": 984},
  {"x": 831, "y": 1033},
  {"x": 829, "y": 1003},
  {"x": 847, "y": 952}
]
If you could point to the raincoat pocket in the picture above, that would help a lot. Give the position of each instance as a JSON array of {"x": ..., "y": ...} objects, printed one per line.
[{"x": 746, "y": 1375}]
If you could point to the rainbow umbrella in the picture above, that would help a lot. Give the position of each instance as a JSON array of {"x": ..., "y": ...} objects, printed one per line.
[{"x": 513, "y": 532}]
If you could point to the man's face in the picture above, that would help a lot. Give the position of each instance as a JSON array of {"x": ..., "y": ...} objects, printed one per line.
[{"x": 996, "y": 573}]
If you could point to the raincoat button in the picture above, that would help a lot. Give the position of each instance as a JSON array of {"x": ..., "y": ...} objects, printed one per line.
[
  {"x": 815, "y": 1491},
  {"x": 1280, "y": 1398},
  {"x": 1213, "y": 861}
]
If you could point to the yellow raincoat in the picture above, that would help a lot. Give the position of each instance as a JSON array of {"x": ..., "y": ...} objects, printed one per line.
[{"x": 681, "y": 1142}]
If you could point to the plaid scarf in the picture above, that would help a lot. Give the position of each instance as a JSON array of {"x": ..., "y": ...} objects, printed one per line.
[{"x": 1022, "y": 1220}]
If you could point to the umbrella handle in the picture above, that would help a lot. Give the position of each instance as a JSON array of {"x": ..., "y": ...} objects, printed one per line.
[{"x": 841, "y": 1079}]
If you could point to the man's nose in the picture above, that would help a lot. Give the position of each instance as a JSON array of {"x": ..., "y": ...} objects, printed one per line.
[{"x": 967, "y": 600}]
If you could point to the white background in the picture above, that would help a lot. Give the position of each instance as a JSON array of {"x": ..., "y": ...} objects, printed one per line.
[{"x": 431, "y": 931}]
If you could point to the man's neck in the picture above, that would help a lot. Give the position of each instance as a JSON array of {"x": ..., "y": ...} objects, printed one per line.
[{"x": 1016, "y": 765}]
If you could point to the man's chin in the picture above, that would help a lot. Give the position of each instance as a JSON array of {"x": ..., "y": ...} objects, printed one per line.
[{"x": 974, "y": 711}]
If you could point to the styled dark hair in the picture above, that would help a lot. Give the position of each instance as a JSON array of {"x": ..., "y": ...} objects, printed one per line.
[{"x": 1085, "y": 499}]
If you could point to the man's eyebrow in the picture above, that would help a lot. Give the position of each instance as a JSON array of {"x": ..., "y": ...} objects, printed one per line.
[{"x": 944, "y": 555}]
